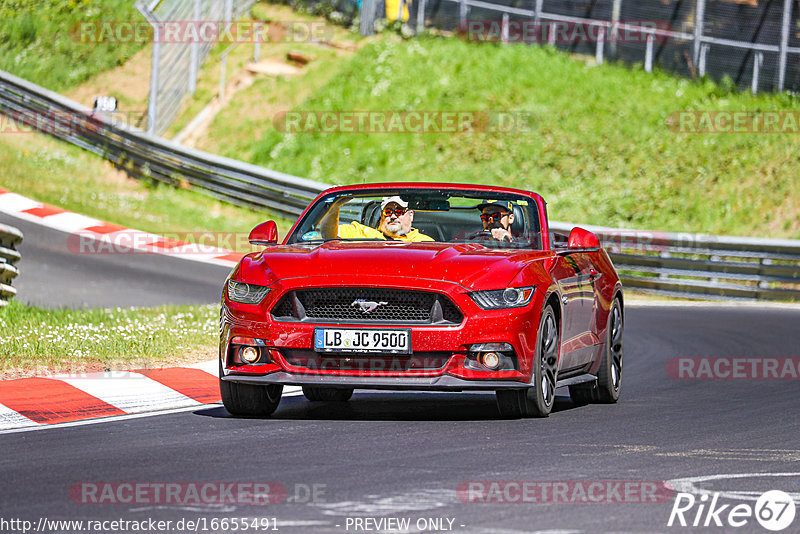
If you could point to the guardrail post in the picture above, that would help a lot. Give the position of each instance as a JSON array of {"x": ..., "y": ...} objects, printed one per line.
[
  {"x": 10, "y": 237},
  {"x": 787, "y": 16}
]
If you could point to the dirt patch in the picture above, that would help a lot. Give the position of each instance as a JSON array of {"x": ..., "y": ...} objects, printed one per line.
[{"x": 128, "y": 83}]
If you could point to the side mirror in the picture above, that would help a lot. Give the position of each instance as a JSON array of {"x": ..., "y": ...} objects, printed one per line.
[
  {"x": 580, "y": 238},
  {"x": 265, "y": 234}
]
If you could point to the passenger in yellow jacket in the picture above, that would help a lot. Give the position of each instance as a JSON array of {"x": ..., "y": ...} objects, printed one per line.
[{"x": 395, "y": 223}]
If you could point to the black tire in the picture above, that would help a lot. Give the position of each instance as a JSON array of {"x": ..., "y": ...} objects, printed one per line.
[
  {"x": 609, "y": 375},
  {"x": 538, "y": 400},
  {"x": 249, "y": 399},
  {"x": 321, "y": 394}
]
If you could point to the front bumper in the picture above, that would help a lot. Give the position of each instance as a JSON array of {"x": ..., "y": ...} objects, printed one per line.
[{"x": 436, "y": 383}]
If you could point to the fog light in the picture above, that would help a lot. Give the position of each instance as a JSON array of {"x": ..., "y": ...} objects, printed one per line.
[
  {"x": 490, "y": 360},
  {"x": 249, "y": 354}
]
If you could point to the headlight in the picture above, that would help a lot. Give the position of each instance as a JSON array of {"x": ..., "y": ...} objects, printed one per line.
[
  {"x": 512, "y": 297},
  {"x": 246, "y": 293}
]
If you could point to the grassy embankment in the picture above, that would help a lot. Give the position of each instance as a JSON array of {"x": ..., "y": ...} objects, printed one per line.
[
  {"x": 598, "y": 147},
  {"x": 39, "y": 342}
]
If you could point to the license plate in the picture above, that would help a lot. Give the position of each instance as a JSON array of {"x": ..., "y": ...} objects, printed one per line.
[{"x": 362, "y": 340}]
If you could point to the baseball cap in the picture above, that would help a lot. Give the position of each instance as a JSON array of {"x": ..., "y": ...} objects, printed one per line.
[
  {"x": 506, "y": 205},
  {"x": 396, "y": 199}
]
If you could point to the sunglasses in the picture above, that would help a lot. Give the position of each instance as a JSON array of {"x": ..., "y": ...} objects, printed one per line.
[
  {"x": 399, "y": 212},
  {"x": 489, "y": 217}
]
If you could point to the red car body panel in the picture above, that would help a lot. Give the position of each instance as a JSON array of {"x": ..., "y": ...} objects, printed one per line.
[{"x": 579, "y": 283}]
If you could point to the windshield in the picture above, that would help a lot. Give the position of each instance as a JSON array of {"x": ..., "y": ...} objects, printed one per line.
[{"x": 498, "y": 220}]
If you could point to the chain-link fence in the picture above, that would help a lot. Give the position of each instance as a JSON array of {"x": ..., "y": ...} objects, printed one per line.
[
  {"x": 183, "y": 33},
  {"x": 754, "y": 43}
]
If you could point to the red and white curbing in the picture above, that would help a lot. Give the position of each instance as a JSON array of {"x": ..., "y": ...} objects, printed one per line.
[
  {"x": 143, "y": 242},
  {"x": 28, "y": 402},
  {"x": 43, "y": 401}
]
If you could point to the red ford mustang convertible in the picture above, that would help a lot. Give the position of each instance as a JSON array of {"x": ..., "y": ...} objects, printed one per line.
[{"x": 433, "y": 287}]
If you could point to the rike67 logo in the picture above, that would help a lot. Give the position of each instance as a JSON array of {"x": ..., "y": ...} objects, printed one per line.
[{"x": 774, "y": 510}]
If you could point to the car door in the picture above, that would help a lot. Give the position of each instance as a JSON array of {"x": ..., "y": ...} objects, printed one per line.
[{"x": 566, "y": 273}]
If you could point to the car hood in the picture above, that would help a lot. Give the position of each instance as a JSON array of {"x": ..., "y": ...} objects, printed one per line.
[{"x": 471, "y": 265}]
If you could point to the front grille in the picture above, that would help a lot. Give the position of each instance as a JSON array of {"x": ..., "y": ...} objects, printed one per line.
[
  {"x": 359, "y": 362},
  {"x": 341, "y": 305}
]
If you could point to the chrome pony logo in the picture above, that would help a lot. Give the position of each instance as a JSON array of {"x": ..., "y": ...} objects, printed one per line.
[{"x": 367, "y": 306}]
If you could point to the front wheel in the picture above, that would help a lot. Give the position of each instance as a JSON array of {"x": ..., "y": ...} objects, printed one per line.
[
  {"x": 537, "y": 400},
  {"x": 249, "y": 399}
]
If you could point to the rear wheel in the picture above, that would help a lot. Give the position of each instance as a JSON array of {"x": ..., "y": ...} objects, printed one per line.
[
  {"x": 249, "y": 399},
  {"x": 609, "y": 376},
  {"x": 538, "y": 400},
  {"x": 320, "y": 394}
]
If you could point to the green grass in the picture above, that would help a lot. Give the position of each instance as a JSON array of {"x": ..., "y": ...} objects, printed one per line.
[
  {"x": 65, "y": 176},
  {"x": 598, "y": 148},
  {"x": 39, "y": 42},
  {"x": 34, "y": 341}
]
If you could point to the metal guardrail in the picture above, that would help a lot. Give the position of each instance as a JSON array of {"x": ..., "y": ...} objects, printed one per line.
[
  {"x": 699, "y": 265},
  {"x": 10, "y": 238},
  {"x": 149, "y": 157},
  {"x": 686, "y": 265}
]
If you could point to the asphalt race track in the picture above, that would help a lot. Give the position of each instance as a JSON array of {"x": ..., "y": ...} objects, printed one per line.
[
  {"x": 52, "y": 276},
  {"x": 405, "y": 455}
]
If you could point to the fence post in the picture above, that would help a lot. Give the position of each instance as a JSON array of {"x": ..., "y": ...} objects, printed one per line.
[
  {"x": 152, "y": 99},
  {"x": 758, "y": 60},
  {"x": 701, "y": 67},
  {"x": 504, "y": 29},
  {"x": 601, "y": 39},
  {"x": 367, "y": 23},
  {"x": 537, "y": 13},
  {"x": 616, "y": 9},
  {"x": 787, "y": 16},
  {"x": 463, "y": 9},
  {"x": 420, "y": 15},
  {"x": 228, "y": 16},
  {"x": 194, "y": 52},
  {"x": 699, "y": 21},
  {"x": 648, "y": 54}
]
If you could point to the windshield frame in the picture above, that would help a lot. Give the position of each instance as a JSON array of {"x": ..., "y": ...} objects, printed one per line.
[{"x": 531, "y": 203}]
